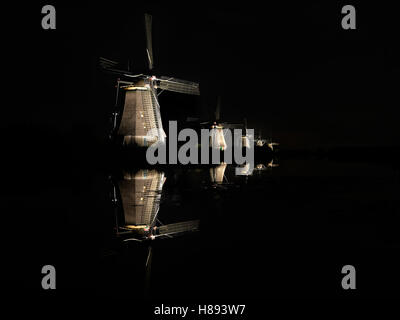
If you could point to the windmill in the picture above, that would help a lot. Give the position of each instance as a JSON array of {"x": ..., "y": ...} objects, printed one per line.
[
  {"x": 245, "y": 137},
  {"x": 217, "y": 139},
  {"x": 139, "y": 120},
  {"x": 271, "y": 164},
  {"x": 259, "y": 142},
  {"x": 271, "y": 145},
  {"x": 136, "y": 198}
]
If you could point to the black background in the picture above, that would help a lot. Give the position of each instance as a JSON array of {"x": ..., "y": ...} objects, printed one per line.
[{"x": 289, "y": 68}]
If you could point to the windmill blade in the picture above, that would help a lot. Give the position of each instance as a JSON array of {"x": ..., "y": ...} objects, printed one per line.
[
  {"x": 107, "y": 63},
  {"x": 147, "y": 278},
  {"x": 149, "y": 258},
  {"x": 132, "y": 239},
  {"x": 218, "y": 109},
  {"x": 179, "y": 227},
  {"x": 178, "y": 85},
  {"x": 149, "y": 39},
  {"x": 232, "y": 125},
  {"x": 110, "y": 65},
  {"x": 114, "y": 67}
]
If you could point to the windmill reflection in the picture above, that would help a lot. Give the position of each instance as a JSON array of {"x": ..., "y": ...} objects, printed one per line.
[
  {"x": 223, "y": 175},
  {"x": 268, "y": 166},
  {"x": 137, "y": 197},
  {"x": 244, "y": 169},
  {"x": 217, "y": 174}
]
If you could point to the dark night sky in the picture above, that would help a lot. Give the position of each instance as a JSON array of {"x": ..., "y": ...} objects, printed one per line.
[{"x": 290, "y": 69}]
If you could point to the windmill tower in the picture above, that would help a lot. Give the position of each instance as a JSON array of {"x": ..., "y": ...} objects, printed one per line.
[
  {"x": 139, "y": 120},
  {"x": 245, "y": 137},
  {"x": 217, "y": 138}
]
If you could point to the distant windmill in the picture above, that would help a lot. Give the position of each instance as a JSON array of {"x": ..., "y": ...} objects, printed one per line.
[
  {"x": 217, "y": 139},
  {"x": 271, "y": 164},
  {"x": 272, "y": 144},
  {"x": 245, "y": 136},
  {"x": 139, "y": 122},
  {"x": 260, "y": 142}
]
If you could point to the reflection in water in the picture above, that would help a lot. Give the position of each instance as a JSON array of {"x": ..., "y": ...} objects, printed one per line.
[
  {"x": 305, "y": 203},
  {"x": 140, "y": 196},
  {"x": 244, "y": 170},
  {"x": 272, "y": 164},
  {"x": 150, "y": 204},
  {"x": 269, "y": 165},
  {"x": 217, "y": 174},
  {"x": 223, "y": 174},
  {"x": 137, "y": 197}
]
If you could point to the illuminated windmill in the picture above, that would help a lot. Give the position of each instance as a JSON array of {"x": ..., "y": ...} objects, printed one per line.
[
  {"x": 246, "y": 137},
  {"x": 271, "y": 164},
  {"x": 217, "y": 139},
  {"x": 259, "y": 142},
  {"x": 271, "y": 145},
  {"x": 139, "y": 120}
]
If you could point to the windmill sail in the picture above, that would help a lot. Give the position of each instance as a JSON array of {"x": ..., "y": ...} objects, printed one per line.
[
  {"x": 179, "y": 227},
  {"x": 112, "y": 66},
  {"x": 177, "y": 85},
  {"x": 218, "y": 109},
  {"x": 107, "y": 63},
  {"x": 149, "y": 39}
]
